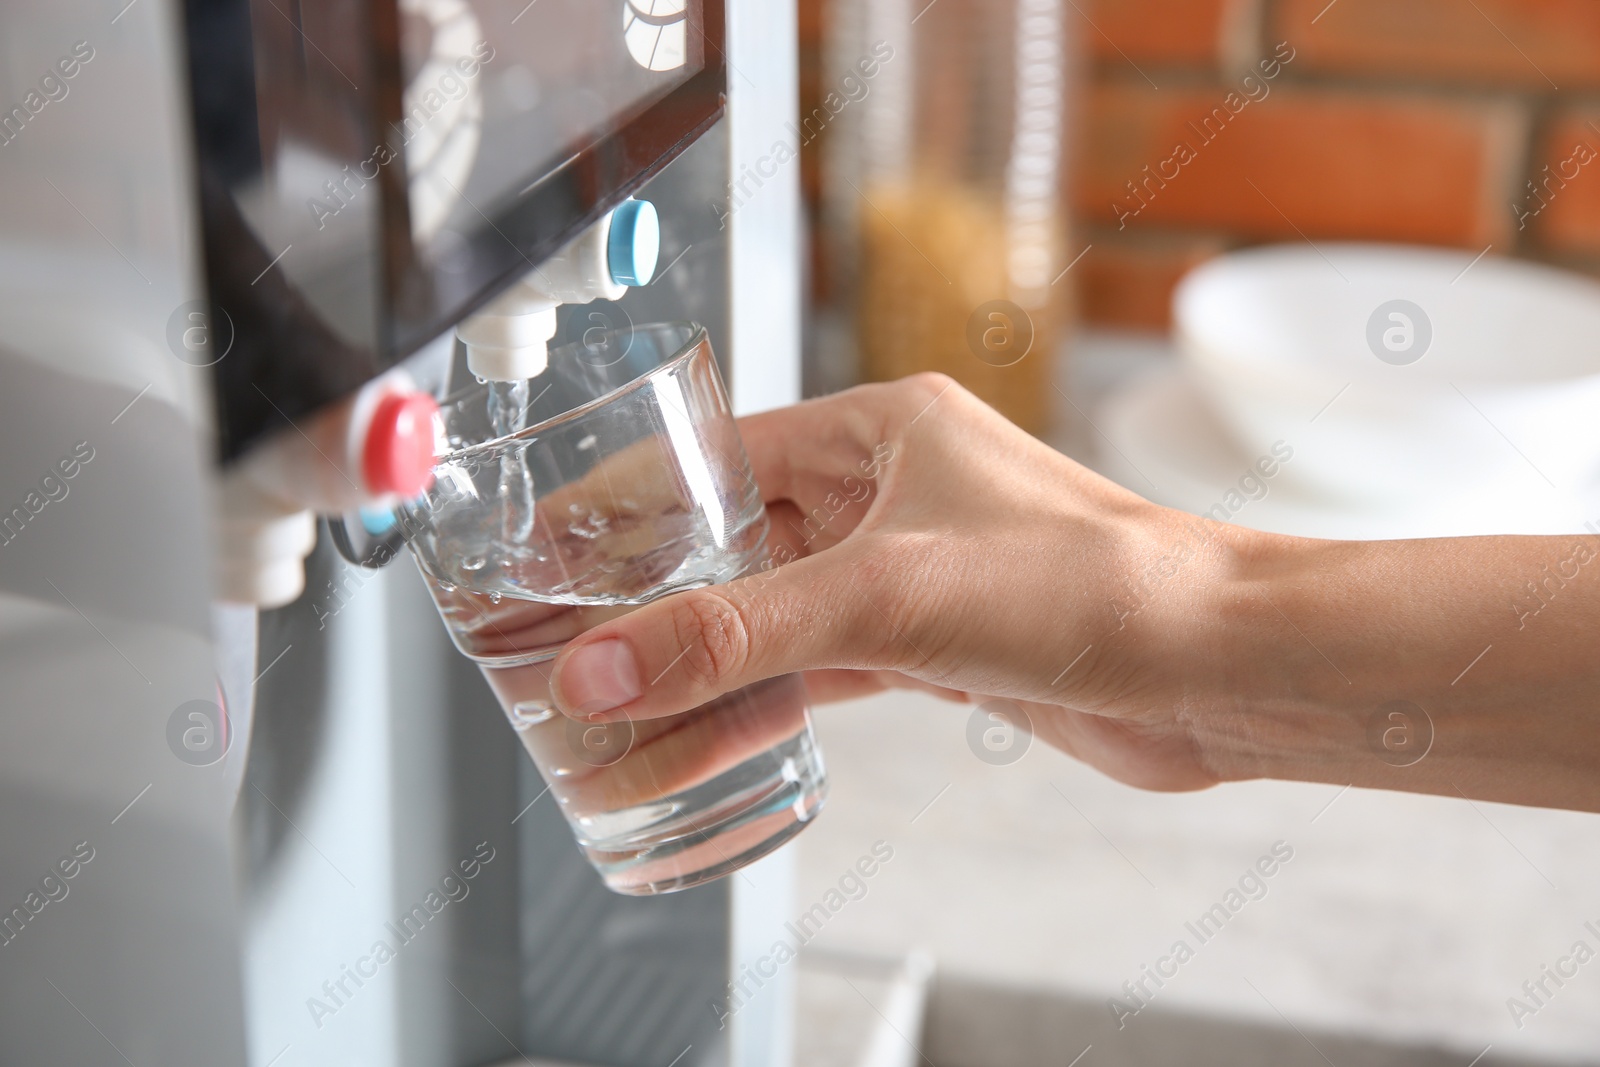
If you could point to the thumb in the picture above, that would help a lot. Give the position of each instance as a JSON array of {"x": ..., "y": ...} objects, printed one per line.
[{"x": 677, "y": 653}]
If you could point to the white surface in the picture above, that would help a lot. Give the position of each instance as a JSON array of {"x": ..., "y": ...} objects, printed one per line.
[
  {"x": 761, "y": 1033},
  {"x": 1400, "y": 916},
  {"x": 764, "y": 242},
  {"x": 861, "y": 1011},
  {"x": 764, "y": 257},
  {"x": 1279, "y": 340}
]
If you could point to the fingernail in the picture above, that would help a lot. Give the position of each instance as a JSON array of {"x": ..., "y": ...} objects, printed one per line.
[{"x": 598, "y": 677}]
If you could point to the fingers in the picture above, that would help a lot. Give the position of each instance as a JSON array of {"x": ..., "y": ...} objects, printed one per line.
[
  {"x": 606, "y": 767},
  {"x": 678, "y": 653},
  {"x": 795, "y": 450},
  {"x": 818, "y": 462},
  {"x": 820, "y": 611},
  {"x": 1150, "y": 756},
  {"x": 815, "y": 465}
]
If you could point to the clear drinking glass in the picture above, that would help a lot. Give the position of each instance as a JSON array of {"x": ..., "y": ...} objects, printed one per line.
[{"x": 626, "y": 482}]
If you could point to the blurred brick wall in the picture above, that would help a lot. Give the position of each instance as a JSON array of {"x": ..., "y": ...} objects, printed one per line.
[{"x": 1398, "y": 120}]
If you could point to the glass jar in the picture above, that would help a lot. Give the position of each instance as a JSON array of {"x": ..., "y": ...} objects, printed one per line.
[{"x": 944, "y": 213}]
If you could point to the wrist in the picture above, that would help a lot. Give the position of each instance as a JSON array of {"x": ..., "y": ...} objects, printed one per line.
[
  {"x": 1397, "y": 665},
  {"x": 1258, "y": 674},
  {"x": 1364, "y": 663}
]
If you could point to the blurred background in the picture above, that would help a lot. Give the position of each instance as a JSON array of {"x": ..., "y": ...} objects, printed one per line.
[
  {"x": 1395, "y": 217},
  {"x": 1435, "y": 122}
]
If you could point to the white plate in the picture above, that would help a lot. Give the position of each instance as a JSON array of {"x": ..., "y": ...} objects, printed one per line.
[{"x": 1165, "y": 444}]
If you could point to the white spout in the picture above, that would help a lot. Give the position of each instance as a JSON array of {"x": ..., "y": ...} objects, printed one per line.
[{"x": 509, "y": 339}]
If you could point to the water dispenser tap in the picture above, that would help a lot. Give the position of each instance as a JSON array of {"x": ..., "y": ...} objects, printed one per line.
[
  {"x": 508, "y": 340},
  {"x": 370, "y": 451}
]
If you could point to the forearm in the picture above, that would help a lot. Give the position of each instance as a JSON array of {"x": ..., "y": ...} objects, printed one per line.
[
  {"x": 1333, "y": 662},
  {"x": 1169, "y": 651}
]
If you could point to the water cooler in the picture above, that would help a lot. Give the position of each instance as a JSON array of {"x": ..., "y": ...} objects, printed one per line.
[{"x": 254, "y": 808}]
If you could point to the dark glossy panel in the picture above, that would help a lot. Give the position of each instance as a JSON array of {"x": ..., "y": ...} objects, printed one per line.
[{"x": 325, "y": 259}]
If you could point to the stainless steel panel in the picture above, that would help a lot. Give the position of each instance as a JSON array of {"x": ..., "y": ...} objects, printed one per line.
[{"x": 104, "y": 620}]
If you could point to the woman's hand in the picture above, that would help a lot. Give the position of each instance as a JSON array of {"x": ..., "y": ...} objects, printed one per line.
[{"x": 925, "y": 541}]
